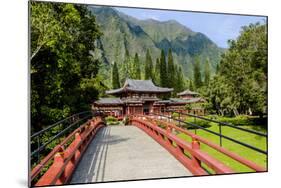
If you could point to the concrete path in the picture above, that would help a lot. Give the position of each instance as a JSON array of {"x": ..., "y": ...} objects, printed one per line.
[{"x": 126, "y": 153}]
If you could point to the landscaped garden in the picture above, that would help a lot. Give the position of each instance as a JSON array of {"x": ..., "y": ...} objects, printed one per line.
[{"x": 247, "y": 122}]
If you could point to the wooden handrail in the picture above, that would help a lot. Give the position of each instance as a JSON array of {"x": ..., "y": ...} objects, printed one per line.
[
  {"x": 66, "y": 159},
  {"x": 38, "y": 168},
  {"x": 226, "y": 152},
  {"x": 167, "y": 139}
]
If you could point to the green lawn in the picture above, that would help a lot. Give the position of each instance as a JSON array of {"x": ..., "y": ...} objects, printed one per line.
[{"x": 254, "y": 140}]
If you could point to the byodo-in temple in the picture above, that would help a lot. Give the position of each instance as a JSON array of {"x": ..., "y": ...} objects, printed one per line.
[{"x": 143, "y": 97}]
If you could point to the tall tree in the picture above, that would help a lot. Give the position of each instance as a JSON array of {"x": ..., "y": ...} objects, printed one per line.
[
  {"x": 243, "y": 73},
  {"x": 163, "y": 70},
  {"x": 135, "y": 69},
  {"x": 63, "y": 68},
  {"x": 115, "y": 76},
  {"x": 197, "y": 74},
  {"x": 179, "y": 80},
  {"x": 171, "y": 70},
  {"x": 148, "y": 69},
  {"x": 191, "y": 87},
  {"x": 217, "y": 68},
  {"x": 207, "y": 73},
  {"x": 125, "y": 66},
  {"x": 157, "y": 72}
]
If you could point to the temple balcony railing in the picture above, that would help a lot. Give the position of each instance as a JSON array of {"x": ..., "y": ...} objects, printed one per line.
[{"x": 139, "y": 98}]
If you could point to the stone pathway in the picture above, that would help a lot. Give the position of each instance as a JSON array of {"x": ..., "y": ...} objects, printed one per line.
[{"x": 125, "y": 153}]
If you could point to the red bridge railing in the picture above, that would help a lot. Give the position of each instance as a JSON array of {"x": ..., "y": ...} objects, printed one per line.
[
  {"x": 65, "y": 156},
  {"x": 189, "y": 154}
]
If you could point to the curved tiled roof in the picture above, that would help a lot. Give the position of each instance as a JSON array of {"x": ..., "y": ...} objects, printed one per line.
[
  {"x": 188, "y": 92},
  {"x": 182, "y": 101},
  {"x": 109, "y": 101},
  {"x": 140, "y": 86}
]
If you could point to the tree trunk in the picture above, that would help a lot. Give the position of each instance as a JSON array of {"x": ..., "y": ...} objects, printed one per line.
[{"x": 235, "y": 111}]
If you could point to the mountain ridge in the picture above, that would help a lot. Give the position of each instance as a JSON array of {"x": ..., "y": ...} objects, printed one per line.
[{"x": 121, "y": 31}]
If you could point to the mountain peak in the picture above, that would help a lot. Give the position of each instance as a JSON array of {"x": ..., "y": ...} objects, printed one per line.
[
  {"x": 122, "y": 31},
  {"x": 103, "y": 10}
]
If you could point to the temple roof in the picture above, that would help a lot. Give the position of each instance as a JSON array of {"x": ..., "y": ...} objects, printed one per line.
[
  {"x": 140, "y": 86},
  {"x": 187, "y": 92},
  {"x": 182, "y": 101},
  {"x": 109, "y": 101}
]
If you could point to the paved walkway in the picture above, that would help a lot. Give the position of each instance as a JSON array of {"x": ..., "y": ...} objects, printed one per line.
[{"x": 126, "y": 153}]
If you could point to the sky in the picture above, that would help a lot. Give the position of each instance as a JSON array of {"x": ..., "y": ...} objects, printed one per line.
[{"x": 218, "y": 27}]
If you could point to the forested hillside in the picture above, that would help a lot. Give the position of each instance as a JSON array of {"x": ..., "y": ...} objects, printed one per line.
[{"x": 122, "y": 32}]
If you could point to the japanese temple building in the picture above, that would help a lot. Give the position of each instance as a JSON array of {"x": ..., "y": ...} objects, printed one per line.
[
  {"x": 139, "y": 97},
  {"x": 192, "y": 96}
]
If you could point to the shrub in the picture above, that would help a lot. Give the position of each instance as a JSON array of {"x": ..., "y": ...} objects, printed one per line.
[
  {"x": 175, "y": 115},
  {"x": 200, "y": 122},
  {"x": 126, "y": 120},
  {"x": 110, "y": 120}
]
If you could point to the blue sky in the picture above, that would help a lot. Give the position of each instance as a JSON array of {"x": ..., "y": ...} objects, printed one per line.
[{"x": 218, "y": 27}]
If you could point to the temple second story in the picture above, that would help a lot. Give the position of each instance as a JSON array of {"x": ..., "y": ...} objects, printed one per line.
[
  {"x": 139, "y": 91},
  {"x": 187, "y": 94}
]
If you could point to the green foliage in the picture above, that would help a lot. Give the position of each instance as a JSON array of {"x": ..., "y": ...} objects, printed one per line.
[
  {"x": 191, "y": 86},
  {"x": 126, "y": 120},
  {"x": 148, "y": 74},
  {"x": 124, "y": 69},
  {"x": 62, "y": 63},
  {"x": 122, "y": 32},
  {"x": 197, "y": 74},
  {"x": 163, "y": 70},
  {"x": 110, "y": 120},
  {"x": 135, "y": 70},
  {"x": 178, "y": 83},
  {"x": 199, "y": 122},
  {"x": 175, "y": 115},
  {"x": 207, "y": 73},
  {"x": 115, "y": 77},
  {"x": 241, "y": 84},
  {"x": 157, "y": 68},
  {"x": 171, "y": 72}
]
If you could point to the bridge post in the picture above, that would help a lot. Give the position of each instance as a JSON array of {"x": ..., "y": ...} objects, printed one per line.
[
  {"x": 92, "y": 122},
  {"x": 50, "y": 177},
  {"x": 179, "y": 119},
  {"x": 195, "y": 144},
  {"x": 76, "y": 142},
  {"x": 168, "y": 128}
]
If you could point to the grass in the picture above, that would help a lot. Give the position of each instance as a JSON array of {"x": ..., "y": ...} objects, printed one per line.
[{"x": 254, "y": 140}]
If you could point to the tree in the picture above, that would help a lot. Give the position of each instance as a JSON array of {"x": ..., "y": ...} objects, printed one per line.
[
  {"x": 171, "y": 71},
  {"x": 242, "y": 75},
  {"x": 148, "y": 69},
  {"x": 125, "y": 66},
  {"x": 63, "y": 68},
  {"x": 115, "y": 76},
  {"x": 157, "y": 72},
  {"x": 45, "y": 28},
  {"x": 191, "y": 87},
  {"x": 207, "y": 73},
  {"x": 217, "y": 68},
  {"x": 135, "y": 69},
  {"x": 197, "y": 74},
  {"x": 179, "y": 80},
  {"x": 163, "y": 70}
]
